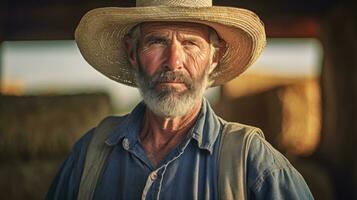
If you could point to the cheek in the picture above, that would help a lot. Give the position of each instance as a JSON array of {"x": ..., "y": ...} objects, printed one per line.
[
  {"x": 196, "y": 62},
  {"x": 151, "y": 60}
]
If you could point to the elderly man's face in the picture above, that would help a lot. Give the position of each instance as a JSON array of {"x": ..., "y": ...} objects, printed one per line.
[
  {"x": 172, "y": 61},
  {"x": 177, "y": 47}
]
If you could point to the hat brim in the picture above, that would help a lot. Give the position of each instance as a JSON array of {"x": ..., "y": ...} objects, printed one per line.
[{"x": 101, "y": 32}]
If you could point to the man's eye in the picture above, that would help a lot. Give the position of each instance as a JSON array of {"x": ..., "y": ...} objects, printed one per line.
[
  {"x": 157, "y": 41},
  {"x": 189, "y": 43}
]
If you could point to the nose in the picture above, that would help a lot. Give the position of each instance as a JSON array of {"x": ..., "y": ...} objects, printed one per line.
[{"x": 175, "y": 56}]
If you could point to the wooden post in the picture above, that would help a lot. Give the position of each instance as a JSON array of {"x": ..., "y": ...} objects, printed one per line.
[{"x": 339, "y": 92}]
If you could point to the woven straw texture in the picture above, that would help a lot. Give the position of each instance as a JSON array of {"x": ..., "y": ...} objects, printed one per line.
[{"x": 101, "y": 31}]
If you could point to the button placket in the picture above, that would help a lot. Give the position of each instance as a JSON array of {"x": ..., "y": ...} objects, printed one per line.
[
  {"x": 150, "y": 180},
  {"x": 154, "y": 175},
  {"x": 165, "y": 168}
]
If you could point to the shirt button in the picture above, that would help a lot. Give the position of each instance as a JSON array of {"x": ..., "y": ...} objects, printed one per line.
[
  {"x": 153, "y": 176},
  {"x": 125, "y": 144}
]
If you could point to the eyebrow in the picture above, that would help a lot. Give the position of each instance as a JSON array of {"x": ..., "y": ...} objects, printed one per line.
[
  {"x": 195, "y": 38},
  {"x": 153, "y": 36}
]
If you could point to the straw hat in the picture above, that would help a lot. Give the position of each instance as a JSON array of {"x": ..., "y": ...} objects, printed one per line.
[{"x": 100, "y": 34}]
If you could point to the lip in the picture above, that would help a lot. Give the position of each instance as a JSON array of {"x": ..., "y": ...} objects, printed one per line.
[
  {"x": 177, "y": 85},
  {"x": 170, "y": 83}
]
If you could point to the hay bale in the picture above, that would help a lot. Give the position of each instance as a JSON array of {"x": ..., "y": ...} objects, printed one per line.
[
  {"x": 33, "y": 126},
  {"x": 289, "y": 115},
  {"x": 263, "y": 110},
  {"x": 301, "y": 126}
]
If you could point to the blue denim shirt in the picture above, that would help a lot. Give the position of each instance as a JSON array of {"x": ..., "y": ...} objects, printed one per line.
[{"x": 188, "y": 172}]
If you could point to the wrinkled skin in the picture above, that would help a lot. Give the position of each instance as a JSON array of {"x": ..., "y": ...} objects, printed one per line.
[{"x": 174, "y": 48}]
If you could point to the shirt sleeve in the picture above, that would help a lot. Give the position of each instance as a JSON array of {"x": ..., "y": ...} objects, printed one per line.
[
  {"x": 271, "y": 176},
  {"x": 66, "y": 183}
]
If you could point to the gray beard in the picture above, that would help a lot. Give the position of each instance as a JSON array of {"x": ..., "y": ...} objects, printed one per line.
[{"x": 167, "y": 102}]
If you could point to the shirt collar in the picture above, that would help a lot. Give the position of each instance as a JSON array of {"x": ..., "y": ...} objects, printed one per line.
[
  {"x": 205, "y": 131},
  {"x": 207, "y": 127},
  {"x": 129, "y": 127}
]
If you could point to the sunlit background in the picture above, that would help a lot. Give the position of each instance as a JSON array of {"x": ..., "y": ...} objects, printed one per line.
[{"x": 56, "y": 67}]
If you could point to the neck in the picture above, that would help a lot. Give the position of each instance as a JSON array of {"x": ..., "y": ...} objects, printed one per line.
[{"x": 160, "y": 135}]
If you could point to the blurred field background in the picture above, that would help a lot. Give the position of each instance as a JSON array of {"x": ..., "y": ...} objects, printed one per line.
[
  {"x": 301, "y": 92},
  {"x": 36, "y": 133}
]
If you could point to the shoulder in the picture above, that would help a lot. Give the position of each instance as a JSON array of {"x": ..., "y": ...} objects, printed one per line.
[
  {"x": 271, "y": 176},
  {"x": 237, "y": 130},
  {"x": 66, "y": 183},
  {"x": 83, "y": 141},
  {"x": 263, "y": 159},
  {"x": 67, "y": 179},
  {"x": 261, "y": 155},
  {"x": 103, "y": 128}
]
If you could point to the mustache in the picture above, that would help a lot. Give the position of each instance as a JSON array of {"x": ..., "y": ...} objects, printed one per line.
[{"x": 170, "y": 76}]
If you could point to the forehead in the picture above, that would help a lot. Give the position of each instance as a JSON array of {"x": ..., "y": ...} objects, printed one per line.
[{"x": 182, "y": 27}]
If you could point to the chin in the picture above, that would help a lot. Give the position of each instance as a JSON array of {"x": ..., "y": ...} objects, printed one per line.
[{"x": 170, "y": 104}]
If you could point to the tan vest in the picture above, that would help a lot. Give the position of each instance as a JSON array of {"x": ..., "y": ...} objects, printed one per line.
[{"x": 232, "y": 159}]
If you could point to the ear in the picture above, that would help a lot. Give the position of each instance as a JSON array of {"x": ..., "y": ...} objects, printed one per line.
[
  {"x": 130, "y": 51},
  {"x": 218, "y": 55}
]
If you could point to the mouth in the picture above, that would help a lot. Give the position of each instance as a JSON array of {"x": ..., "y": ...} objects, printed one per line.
[
  {"x": 177, "y": 86},
  {"x": 171, "y": 83}
]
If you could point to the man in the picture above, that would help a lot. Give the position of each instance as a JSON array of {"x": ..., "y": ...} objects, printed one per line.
[{"x": 172, "y": 145}]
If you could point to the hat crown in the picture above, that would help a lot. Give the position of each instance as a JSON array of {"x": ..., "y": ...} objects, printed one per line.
[{"x": 174, "y": 3}]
